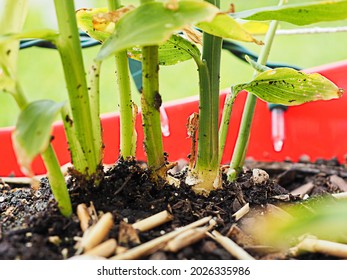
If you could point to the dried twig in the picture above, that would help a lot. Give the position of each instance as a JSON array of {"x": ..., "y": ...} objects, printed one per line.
[
  {"x": 342, "y": 195},
  {"x": 188, "y": 237},
  {"x": 150, "y": 247},
  {"x": 105, "y": 249},
  {"x": 96, "y": 233},
  {"x": 153, "y": 221},
  {"x": 241, "y": 212},
  {"x": 313, "y": 245},
  {"x": 229, "y": 245},
  {"x": 338, "y": 182},
  {"x": 18, "y": 180},
  {"x": 83, "y": 216},
  {"x": 302, "y": 190}
]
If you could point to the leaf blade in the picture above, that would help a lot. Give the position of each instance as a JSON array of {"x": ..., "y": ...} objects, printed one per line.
[
  {"x": 177, "y": 49},
  {"x": 33, "y": 131},
  {"x": 299, "y": 14},
  {"x": 289, "y": 87},
  {"x": 226, "y": 27},
  {"x": 153, "y": 24}
]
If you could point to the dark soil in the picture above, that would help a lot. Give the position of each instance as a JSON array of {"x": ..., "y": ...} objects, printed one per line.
[{"x": 30, "y": 221}]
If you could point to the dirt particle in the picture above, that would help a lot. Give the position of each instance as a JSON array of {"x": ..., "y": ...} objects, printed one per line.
[
  {"x": 157, "y": 101},
  {"x": 69, "y": 120}
]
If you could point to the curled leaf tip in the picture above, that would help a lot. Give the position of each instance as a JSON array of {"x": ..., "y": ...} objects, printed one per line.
[
  {"x": 103, "y": 21},
  {"x": 340, "y": 92},
  {"x": 258, "y": 42}
]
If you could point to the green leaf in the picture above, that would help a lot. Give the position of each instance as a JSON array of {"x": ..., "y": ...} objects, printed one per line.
[
  {"x": 226, "y": 27},
  {"x": 85, "y": 22},
  {"x": 33, "y": 131},
  {"x": 173, "y": 51},
  {"x": 153, "y": 23},
  {"x": 299, "y": 14},
  {"x": 177, "y": 49},
  {"x": 290, "y": 87}
]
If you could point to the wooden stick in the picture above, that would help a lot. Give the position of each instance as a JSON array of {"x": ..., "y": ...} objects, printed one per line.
[
  {"x": 241, "y": 212},
  {"x": 83, "y": 216},
  {"x": 342, "y": 195},
  {"x": 314, "y": 245},
  {"x": 105, "y": 249},
  {"x": 17, "y": 180},
  {"x": 302, "y": 190},
  {"x": 97, "y": 233},
  {"x": 229, "y": 245},
  {"x": 188, "y": 237},
  {"x": 150, "y": 247},
  {"x": 153, "y": 221}
]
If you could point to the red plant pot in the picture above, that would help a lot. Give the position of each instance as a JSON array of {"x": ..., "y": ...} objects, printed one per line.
[{"x": 316, "y": 129}]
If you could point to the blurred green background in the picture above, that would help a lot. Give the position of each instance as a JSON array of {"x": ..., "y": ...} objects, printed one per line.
[{"x": 41, "y": 75}]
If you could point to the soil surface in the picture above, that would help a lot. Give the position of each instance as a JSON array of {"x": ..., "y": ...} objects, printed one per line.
[{"x": 32, "y": 228}]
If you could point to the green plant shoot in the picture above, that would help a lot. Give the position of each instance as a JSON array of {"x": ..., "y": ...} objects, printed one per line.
[{"x": 29, "y": 142}]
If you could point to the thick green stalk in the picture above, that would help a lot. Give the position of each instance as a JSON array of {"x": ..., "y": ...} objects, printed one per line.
[
  {"x": 209, "y": 105},
  {"x": 248, "y": 113},
  {"x": 127, "y": 120},
  {"x": 207, "y": 165},
  {"x": 94, "y": 100},
  {"x": 71, "y": 56},
  {"x": 150, "y": 104}
]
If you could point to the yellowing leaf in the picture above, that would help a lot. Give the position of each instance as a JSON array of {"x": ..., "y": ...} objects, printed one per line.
[
  {"x": 226, "y": 27},
  {"x": 290, "y": 87},
  {"x": 99, "y": 23}
]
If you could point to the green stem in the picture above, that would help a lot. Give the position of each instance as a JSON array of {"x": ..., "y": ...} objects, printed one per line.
[
  {"x": 57, "y": 182},
  {"x": 71, "y": 56},
  {"x": 207, "y": 164},
  {"x": 77, "y": 155},
  {"x": 127, "y": 120},
  {"x": 150, "y": 104},
  {"x": 241, "y": 146},
  {"x": 14, "y": 17},
  {"x": 94, "y": 100},
  {"x": 209, "y": 105},
  {"x": 224, "y": 126}
]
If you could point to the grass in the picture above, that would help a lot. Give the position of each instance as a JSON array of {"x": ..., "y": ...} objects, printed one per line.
[{"x": 41, "y": 73}]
